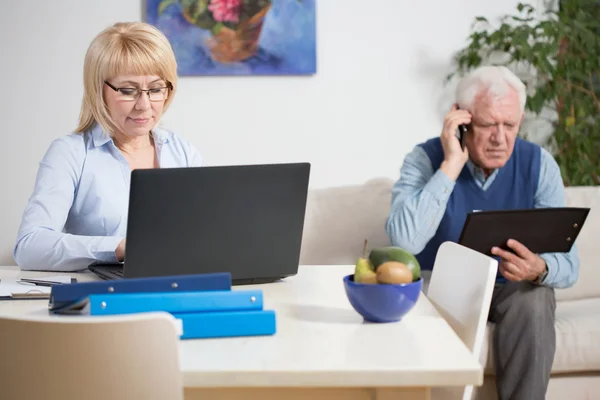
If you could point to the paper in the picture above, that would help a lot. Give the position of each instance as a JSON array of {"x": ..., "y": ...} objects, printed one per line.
[
  {"x": 39, "y": 287},
  {"x": 10, "y": 286}
]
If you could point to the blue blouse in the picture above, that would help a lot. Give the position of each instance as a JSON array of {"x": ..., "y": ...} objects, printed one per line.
[{"x": 77, "y": 213}]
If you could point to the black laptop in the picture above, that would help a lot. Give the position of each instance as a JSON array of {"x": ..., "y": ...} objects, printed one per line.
[{"x": 245, "y": 219}]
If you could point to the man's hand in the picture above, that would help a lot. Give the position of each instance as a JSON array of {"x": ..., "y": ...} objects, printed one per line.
[
  {"x": 454, "y": 156},
  {"x": 522, "y": 266},
  {"x": 120, "y": 251}
]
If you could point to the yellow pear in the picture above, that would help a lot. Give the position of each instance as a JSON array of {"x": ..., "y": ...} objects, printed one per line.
[{"x": 364, "y": 272}]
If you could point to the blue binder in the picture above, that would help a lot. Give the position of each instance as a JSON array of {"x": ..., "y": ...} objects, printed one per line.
[
  {"x": 63, "y": 295},
  {"x": 175, "y": 302},
  {"x": 227, "y": 324}
]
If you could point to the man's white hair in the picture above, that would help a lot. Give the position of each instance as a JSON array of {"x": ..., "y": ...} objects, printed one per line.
[{"x": 496, "y": 80}]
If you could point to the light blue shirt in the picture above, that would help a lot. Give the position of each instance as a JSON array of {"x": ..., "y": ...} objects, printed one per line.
[
  {"x": 420, "y": 196},
  {"x": 77, "y": 213}
]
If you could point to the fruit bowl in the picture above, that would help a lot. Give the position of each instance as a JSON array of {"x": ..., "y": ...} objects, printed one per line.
[{"x": 382, "y": 302}]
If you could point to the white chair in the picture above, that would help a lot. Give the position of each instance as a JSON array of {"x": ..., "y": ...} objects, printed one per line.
[
  {"x": 124, "y": 357},
  {"x": 461, "y": 288}
]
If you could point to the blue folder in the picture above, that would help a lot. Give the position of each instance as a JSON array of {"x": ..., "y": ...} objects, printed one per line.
[
  {"x": 227, "y": 324},
  {"x": 175, "y": 302},
  {"x": 62, "y": 296}
]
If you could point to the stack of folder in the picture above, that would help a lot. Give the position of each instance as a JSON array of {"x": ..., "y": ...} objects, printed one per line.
[{"x": 204, "y": 303}]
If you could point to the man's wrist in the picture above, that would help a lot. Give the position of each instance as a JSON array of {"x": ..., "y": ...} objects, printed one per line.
[
  {"x": 452, "y": 168},
  {"x": 540, "y": 278}
]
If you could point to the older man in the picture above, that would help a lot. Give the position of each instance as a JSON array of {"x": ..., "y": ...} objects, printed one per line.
[{"x": 440, "y": 183}]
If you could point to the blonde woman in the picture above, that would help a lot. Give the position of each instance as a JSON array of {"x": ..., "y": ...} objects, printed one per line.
[{"x": 77, "y": 213}]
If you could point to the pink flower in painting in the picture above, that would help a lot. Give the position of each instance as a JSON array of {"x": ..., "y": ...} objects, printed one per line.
[{"x": 225, "y": 10}]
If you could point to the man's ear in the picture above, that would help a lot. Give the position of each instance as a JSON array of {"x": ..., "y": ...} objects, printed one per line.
[{"x": 522, "y": 118}]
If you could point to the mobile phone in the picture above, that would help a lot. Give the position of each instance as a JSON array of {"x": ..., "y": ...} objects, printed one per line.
[{"x": 461, "y": 132}]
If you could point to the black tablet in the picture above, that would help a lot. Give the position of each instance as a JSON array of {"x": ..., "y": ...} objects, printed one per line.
[{"x": 541, "y": 230}]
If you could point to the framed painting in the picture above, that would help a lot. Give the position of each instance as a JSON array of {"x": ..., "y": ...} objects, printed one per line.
[{"x": 238, "y": 37}]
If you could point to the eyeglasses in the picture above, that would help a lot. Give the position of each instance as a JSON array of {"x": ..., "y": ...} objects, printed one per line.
[{"x": 132, "y": 94}]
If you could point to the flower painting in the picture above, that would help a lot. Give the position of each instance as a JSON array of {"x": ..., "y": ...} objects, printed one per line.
[{"x": 238, "y": 37}]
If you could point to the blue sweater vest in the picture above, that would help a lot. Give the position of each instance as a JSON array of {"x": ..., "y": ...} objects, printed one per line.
[{"x": 514, "y": 187}]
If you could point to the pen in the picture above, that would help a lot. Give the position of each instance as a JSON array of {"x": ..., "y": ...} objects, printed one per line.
[{"x": 40, "y": 283}]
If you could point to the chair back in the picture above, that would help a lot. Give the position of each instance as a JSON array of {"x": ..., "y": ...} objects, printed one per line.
[
  {"x": 132, "y": 356},
  {"x": 461, "y": 287}
]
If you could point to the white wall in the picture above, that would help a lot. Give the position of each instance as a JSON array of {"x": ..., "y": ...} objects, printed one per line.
[{"x": 377, "y": 92}]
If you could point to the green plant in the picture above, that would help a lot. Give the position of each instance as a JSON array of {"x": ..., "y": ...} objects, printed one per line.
[{"x": 560, "y": 52}]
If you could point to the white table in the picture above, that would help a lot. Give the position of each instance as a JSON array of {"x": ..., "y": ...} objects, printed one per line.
[{"x": 322, "y": 348}]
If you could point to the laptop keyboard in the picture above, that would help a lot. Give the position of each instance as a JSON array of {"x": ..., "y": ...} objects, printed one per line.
[{"x": 117, "y": 272}]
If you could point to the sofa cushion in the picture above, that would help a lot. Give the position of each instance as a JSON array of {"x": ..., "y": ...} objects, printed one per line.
[
  {"x": 577, "y": 333},
  {"x": 588, "y": 284},
  {"x": 338, "y": 220},
  {"x": 560, "y": 387}
]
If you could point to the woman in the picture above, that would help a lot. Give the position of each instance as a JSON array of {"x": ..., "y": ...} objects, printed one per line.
[{"x": 77, "y": 214}]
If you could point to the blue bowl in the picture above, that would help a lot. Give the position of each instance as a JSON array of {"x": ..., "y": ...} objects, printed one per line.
[{"x": 382, "y": 302}]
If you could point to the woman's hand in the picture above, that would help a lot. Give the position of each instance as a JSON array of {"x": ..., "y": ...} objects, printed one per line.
[{"x": 120, "y": 251}]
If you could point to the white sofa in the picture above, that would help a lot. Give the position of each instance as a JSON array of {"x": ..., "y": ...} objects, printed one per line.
[{"x": 338, "y": 220}]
